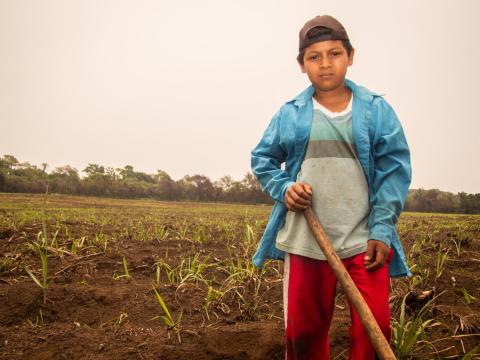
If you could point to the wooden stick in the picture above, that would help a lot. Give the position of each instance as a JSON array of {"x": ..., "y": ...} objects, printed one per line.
[{"x": 373, "y": 330}]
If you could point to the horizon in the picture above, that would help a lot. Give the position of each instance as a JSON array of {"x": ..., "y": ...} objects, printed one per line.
[{"x": 82, "y": 175}]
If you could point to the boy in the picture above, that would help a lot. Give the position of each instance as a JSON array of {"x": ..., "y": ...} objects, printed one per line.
[{"x": 345, "y": 155}]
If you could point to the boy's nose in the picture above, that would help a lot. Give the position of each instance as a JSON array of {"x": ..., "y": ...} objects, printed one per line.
[{"x": 325, "y": 62}]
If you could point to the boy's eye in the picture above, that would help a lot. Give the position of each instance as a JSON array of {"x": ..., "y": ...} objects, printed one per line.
[
  {"x": 314, "y": 57},
  {"x": 336, "y": 53}
]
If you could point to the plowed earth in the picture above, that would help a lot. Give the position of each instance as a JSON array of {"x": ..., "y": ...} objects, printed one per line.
[{"x": 223, "y": 308}]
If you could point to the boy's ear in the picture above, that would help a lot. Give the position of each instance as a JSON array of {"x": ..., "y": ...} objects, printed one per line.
[
  {"x": 300, "y": 62},
  {"x": 350, "y": 57}
]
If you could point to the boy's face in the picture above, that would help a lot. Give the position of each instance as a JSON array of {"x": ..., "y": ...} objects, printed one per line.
[{"x": 326, "y": 64}]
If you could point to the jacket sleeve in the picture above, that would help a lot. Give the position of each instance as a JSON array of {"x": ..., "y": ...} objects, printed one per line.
[
  {"x": 392, "y": 175},
  {"x": 267, "y": 158}
]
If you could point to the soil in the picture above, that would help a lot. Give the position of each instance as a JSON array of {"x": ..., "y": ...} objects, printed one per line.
[{"x": 91, "y": 311}]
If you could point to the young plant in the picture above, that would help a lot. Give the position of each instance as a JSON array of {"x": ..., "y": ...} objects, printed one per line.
[
  {"x": 249, "y": 239},
  {"x": 212, "y": 295},
  {"x": 192, "y": 269},
  {"x": 201, "y": 234},
  {"x": 408, "y": 336},
  {"x": 240, "y": 270},
  {"x": 249, "y": 306},
  {"x": 167, "y": 317},
  {"x": 468, "y": 298},
  {"x": 7, "y": 264},
  {"x": 182, "y": 232},
  {"x": 161, "y": 233},
  {"x": 115, "y": 322},
  {"x": 126, "y": 274},
  {"x": 472, "y": 354},
  {"x": 43, "y": 283},
  {"x": 440, "y": 263},
  {"x": 458, "y": 246},
  {"x": 102, "y": 239},
  {"x": 38, "y": 321},
  {"x": 172, "y": 276}
]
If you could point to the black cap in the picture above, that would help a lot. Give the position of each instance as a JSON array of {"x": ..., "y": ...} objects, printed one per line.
[{"x": 321, "y": 28}]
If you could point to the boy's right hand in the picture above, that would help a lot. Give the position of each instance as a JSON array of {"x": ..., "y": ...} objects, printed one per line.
[{"x": 298, "y": 197}]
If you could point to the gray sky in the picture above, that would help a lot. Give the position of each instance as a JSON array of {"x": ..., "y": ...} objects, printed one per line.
[{"x": 189, "y": 86}]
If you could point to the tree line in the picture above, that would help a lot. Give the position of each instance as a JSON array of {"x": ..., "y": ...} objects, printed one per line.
[{"x": 23, "y": 177}]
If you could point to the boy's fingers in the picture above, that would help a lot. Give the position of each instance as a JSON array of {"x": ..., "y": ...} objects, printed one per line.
[
  {"x": 293, "y": 205},
  {"x": 378, "y": 257},
  {"x": 299, "y": 200},
  {"x": 298, "y": 197},
  {"x": 370, "y": 251},
  {"x": 300, "y": 191},
  {"x": 378, "y": 263},
  {"x": 308, "y": 189}
]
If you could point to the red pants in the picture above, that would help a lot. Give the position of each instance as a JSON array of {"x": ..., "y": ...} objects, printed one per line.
[{"x": 309, "y": 299}]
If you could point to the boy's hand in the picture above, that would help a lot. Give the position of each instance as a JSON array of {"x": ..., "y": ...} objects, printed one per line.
[
  {"x": 298, "y": 197},
  {"x": 376, "y": 255}
]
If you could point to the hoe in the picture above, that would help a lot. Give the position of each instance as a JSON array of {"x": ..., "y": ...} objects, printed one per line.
[{"x": 373, "y": 330}]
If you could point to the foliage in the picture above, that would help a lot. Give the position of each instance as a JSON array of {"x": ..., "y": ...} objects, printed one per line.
[{"x": 126, "y": 183}]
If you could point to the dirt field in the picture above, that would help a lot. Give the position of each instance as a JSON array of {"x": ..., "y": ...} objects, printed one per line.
[{"x": 97, "y": 265}]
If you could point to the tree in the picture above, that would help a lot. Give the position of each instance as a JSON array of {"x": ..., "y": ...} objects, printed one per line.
[
  {"x": 251, "y": 182},
  {"x": 64, "y": 179},
  {"x": 161, "y": 176},
  {"x": 8, "y": 162},
  {"x": 94, "y": 169},
  {"x": 128, "y": 173},
  {"x": 198, "y": 187}
]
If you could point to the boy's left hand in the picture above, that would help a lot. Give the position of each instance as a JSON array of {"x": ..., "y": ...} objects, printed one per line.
[{"x": 376, "y": 255}]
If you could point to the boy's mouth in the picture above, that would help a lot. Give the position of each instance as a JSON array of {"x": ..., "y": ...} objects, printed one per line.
[{"x": 326, "y": 76}]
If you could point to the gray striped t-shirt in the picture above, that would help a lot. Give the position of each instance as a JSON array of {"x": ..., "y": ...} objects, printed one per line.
[{"x": 340, "y": 190}]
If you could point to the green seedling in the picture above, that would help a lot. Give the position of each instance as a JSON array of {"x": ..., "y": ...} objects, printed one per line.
[
  {"x": 38, "y": 321},
  {"x": 468, "y": 298},
  {"x": 167, "y": 317},
  {"x": 77, "y": 244},
  {"x": 192, "y": 269},
  {"x": 473, "y": 354},
  {"x": 201, "y": 234},
  {"x": 101, "y": 240},
  {"x": 161, "y": 232},
  {"x": 212, "y": 295},
  {"x": 182, "y": 232},
  {"x": 115, "y": 322},
  {"x": 54, "y": 241},
  {"x": 125, "y": 274},
  {"x": 408, "y": 336},
  {"x": 440, "y": 263},
  {"x": 171, "y": 272},
  {"x": 43, "y": 283},
  {"x": 458, "y": 246},
  {"x": 7, "y": 264}
]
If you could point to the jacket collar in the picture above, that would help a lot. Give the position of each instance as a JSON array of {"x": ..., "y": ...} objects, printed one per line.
[{"x": 358, "y": 91}]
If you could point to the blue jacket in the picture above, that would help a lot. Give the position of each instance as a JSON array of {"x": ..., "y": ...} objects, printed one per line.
[{"x": 381, "y": 149}]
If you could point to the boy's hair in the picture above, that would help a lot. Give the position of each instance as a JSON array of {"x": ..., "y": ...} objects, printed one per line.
[{"x": 322, "y": 28}]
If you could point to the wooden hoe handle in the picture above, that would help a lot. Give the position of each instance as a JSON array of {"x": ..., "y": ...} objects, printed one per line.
[{"x": 373, "y": 330}]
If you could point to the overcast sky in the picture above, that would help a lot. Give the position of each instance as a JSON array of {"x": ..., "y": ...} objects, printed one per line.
[{"x": 189, "y": 86}]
